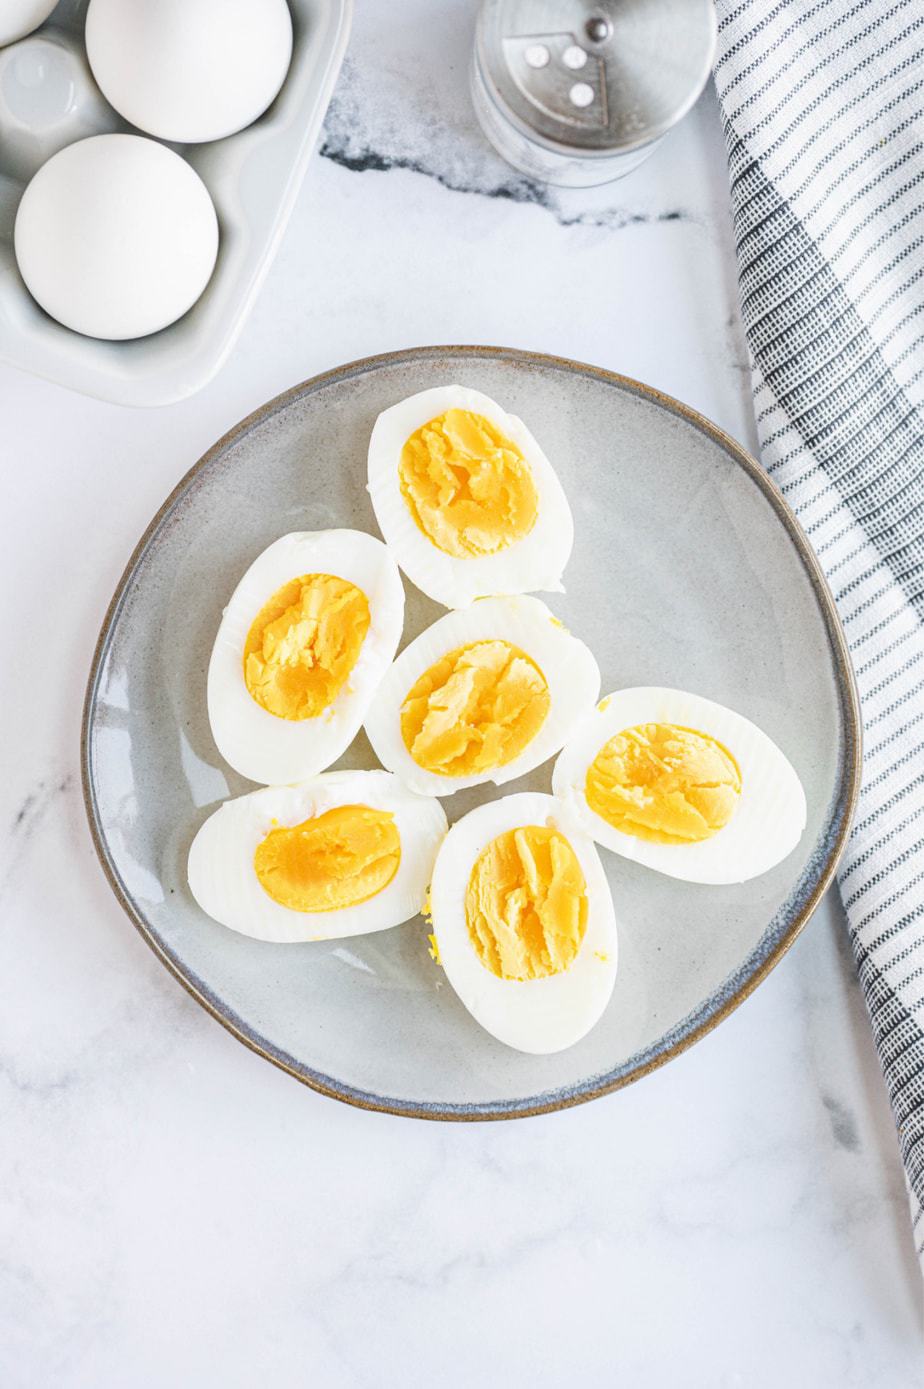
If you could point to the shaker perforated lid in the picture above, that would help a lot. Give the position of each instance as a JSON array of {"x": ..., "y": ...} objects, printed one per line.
[{"x": 596, "y": 77}]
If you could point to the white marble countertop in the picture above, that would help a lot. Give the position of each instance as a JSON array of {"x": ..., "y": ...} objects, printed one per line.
[{"x": 173, "y": 1210}]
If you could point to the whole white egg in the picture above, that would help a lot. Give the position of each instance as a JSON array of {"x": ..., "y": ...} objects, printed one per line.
[
  {"x": 466, "y": 498},
  {"x": 116, "y": 236},
  {"x": 343, "y": 854},
  {"x": 523, "y": 922},
  {"x": 20, "y": 17},
  {"x": 189, "y": 70},
  {"x": 303, "y": 644},
  {"x": 486, "y": 693},
  {"x": 682, "y": 785}
]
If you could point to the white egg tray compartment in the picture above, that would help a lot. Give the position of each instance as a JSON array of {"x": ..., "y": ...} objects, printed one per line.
[{"x": 48, "y": 99}]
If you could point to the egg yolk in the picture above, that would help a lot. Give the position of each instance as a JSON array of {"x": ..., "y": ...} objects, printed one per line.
[
  {"x": 476, "y": 709},
  {"x": 663, "y": 783},
  {"x": 332, "y": 861},
  {"x": 469, "y": 488},
  {"x": 526, "y": 904},
  {"x": 303, "y": 645}
]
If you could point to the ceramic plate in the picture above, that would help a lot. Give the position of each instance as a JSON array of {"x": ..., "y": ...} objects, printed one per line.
[{"x": 688, "y": 570}]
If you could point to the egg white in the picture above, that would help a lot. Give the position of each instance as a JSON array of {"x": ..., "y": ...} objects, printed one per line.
[
  {"x": 532, "y": 1015},
  {"x": 22, "y": 17},
  {"x": 187, "y": 71},
  {"x": 569, "y": 667},
  {"x": 259, "y": 744},
  {"x": 768, "y": 820},
  {"x": 221, "y": 860},
  {"x": 116, "y": 236},
  {"x": 536, "y": 562}
]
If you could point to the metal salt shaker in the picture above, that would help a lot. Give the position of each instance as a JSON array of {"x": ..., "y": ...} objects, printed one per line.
[{"x": 578, "y": 93}]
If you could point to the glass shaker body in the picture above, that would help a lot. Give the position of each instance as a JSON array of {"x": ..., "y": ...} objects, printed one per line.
[{"x": 577, "y": 93}]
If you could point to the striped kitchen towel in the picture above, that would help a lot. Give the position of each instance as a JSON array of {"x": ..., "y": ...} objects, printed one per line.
[{"x": 823, "y": 104}]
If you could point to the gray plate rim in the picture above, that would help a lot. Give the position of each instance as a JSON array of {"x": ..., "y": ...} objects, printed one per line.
[{"x": 699, "y": 1023}]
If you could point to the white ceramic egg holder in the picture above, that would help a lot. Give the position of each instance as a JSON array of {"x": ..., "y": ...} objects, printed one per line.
[{"x": 48, "y": 99}]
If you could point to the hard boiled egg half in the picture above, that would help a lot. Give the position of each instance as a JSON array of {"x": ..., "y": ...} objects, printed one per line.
[
  {"x": 466, "y": 498},
  {"x": 523, "y": 922},
  {"x": 487, "y": 693},
  {"x": 682, "y": 785},
  {"x": 307, "y": 636},
  {"x": 343, "y": 854}
]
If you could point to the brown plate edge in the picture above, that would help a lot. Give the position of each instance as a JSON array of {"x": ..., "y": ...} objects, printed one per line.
[{"x": 848, "y": 689}]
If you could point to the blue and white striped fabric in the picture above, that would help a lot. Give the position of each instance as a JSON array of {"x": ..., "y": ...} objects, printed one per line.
[{"x": 823, "y": 102}]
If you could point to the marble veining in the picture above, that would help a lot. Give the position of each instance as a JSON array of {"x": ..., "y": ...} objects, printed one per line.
[
  {"x": 40, "y": 1089},
  {"x": 26, "y": 819},
  {"x": 843, "y": 1124},
  {"x": 35, "y": 804},
  {"x": 456, "y": 155},
  {"x": 516, "y": 190}
]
